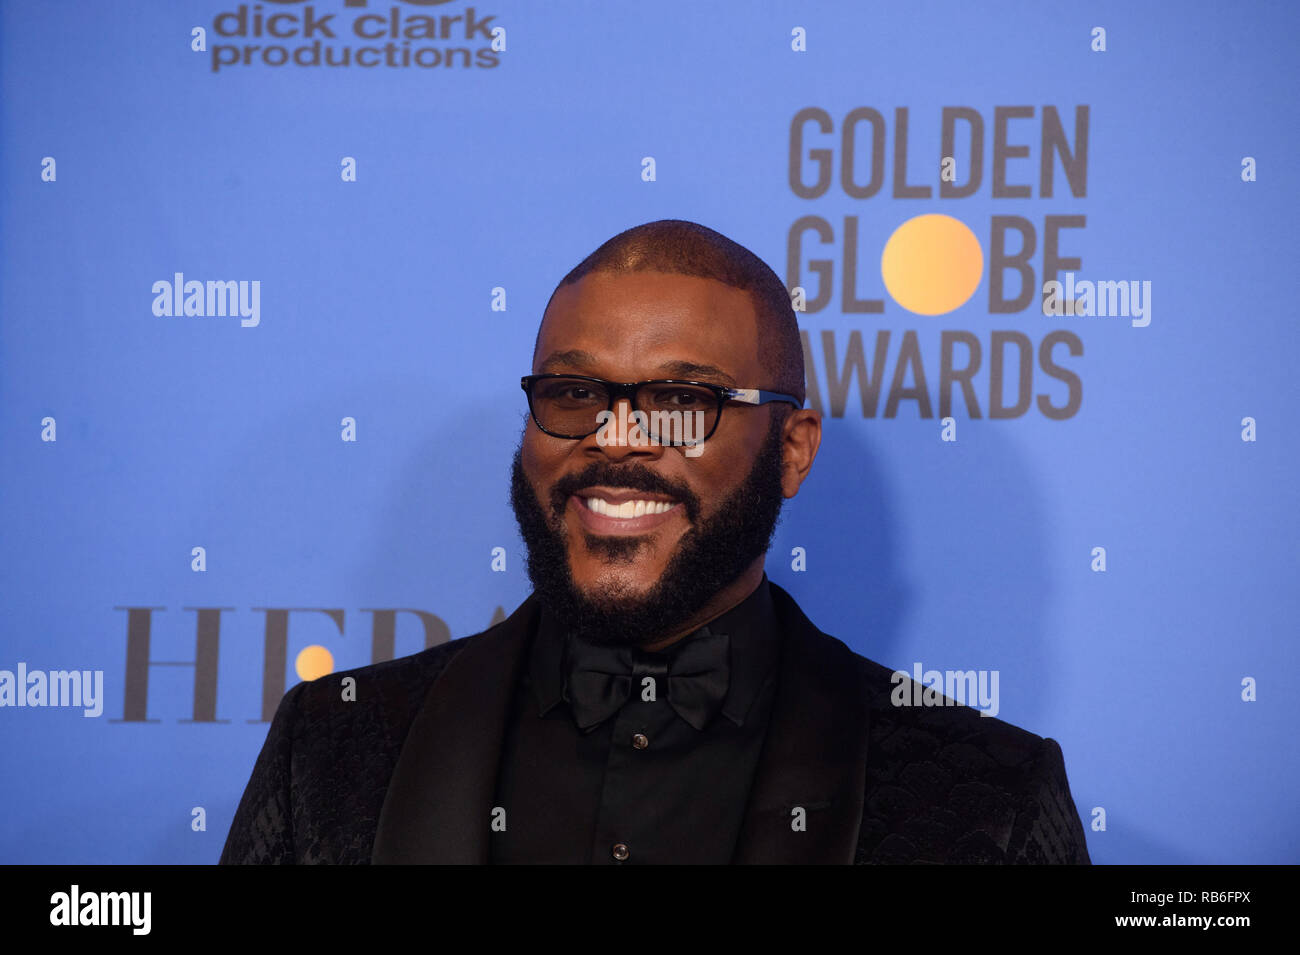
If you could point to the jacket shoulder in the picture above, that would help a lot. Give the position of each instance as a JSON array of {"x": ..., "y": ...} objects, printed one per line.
[
  {"x": 946, "y": 783},
  {"x": 394, "y": 689},
  {"x": 397, "y": 687},
  {"x": 319, "y": 782}
]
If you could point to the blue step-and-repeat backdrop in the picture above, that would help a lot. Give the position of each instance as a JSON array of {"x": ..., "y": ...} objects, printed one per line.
[{"x": 272, "y": 270}]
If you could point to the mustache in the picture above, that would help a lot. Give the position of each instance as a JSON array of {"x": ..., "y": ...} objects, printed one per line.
[{"x": 633, "y": 477}]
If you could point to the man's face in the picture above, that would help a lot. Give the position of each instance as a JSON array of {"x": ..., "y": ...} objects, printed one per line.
[{"x": 647, "y": 573}]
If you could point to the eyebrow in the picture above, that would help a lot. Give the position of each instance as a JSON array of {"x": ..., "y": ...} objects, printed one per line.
[
  {"x": 564, "y": 360},
  {"x": 568, "y": 360}
]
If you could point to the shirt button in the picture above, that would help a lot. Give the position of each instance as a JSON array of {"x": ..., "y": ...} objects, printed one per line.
[
  {"x": 640, "y": 741},
  {"x": 620, "y": 852}
]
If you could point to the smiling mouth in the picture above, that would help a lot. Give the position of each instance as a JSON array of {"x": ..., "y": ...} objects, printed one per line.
[
  {"x": 615, "y": 510},
  {"x": 626, "y": 510}
]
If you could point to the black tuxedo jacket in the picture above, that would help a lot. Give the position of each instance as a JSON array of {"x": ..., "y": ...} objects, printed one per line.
[{"x": 406, "y": 772}]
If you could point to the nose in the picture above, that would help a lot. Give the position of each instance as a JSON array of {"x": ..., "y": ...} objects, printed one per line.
[{"x": 622, "y": 438}]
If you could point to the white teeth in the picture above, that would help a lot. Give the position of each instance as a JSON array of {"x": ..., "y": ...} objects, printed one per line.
[{"x": 628, "y": 509}]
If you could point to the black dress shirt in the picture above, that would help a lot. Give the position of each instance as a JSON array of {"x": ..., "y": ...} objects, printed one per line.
[{"x": 643, "y": 786}]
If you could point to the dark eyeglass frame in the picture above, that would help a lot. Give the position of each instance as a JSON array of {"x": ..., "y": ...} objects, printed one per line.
[{"x": 628, "y": 389}]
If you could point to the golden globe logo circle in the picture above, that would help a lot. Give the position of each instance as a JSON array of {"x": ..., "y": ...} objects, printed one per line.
[
  {"x": 932, "y": 264},
  {"x": 313, "y": 663}
]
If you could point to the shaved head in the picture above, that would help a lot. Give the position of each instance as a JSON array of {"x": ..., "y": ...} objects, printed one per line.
[{"x": 687, "y": 248}]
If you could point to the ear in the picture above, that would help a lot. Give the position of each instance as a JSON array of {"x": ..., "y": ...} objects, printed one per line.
[{"x": 801, "y": 436}]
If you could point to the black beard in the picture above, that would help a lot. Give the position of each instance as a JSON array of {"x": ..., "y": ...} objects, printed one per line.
[{"x": 710, "y": 556}]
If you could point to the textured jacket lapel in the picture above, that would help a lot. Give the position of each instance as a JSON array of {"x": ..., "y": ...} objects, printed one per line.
[
  {"x": 815, "y": 756},
  {"x": 439, "y": 802}
]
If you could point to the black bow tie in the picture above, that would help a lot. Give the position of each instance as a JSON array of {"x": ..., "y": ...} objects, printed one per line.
[{"x": 691, "y": 677}]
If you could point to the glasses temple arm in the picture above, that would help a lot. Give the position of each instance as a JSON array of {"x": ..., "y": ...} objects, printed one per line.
[{"x": 757, "y": 396}]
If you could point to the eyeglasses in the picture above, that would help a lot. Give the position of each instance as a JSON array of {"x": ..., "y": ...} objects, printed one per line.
[{"x": 571, "y": 406}]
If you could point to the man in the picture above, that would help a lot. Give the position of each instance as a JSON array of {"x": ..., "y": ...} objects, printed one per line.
[{"x": 656, "y": 699}]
